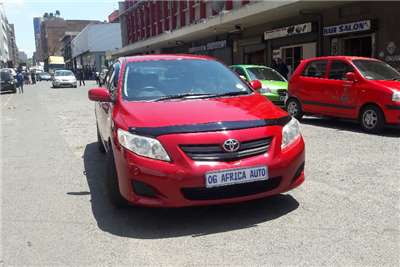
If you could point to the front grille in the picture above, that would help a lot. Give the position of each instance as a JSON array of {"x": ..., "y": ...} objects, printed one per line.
[
  {"x": 216, "y": 152},
  {"x": 282, "y": 92},
  {"x": 231, "y": 191}
]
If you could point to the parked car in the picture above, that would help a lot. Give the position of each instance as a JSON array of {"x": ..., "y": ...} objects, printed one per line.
[
  {"x": 44, "y": 76},
  {"x": 182, "y": 130},
  {"x": 11, "y": 71},
  {"x": 64, "y": 78},
  {"x": 7, "y": 82},
  {"x": 363, "y": 89},
  {"x": 274, "y": 85}
]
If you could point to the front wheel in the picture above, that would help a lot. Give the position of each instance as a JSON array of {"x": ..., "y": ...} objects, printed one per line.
[
  {"x": 111, "y": 183},
  {"x": 293, "y": 107},
  {"x": 372, "y": 119},
  {"x": 100, "y": 144}
]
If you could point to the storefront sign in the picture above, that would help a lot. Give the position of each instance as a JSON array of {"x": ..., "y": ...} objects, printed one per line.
[
  {"x": 358, "y": 26},
  {"x": 209, "y": 46},
  {"x": 288, "y": 31}
]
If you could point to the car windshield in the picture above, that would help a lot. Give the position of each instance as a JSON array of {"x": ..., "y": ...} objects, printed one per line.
[
  {"x": 376, "y": 70},
  {"x": 63, "y": 73},
  {"x": 257, "y": 73},
  {"x": 181, "y": 78},
  {"x": 44, "y": 74}
]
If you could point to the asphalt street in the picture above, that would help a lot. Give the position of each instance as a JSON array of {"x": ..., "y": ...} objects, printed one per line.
[{"x": 54, "y": 211}]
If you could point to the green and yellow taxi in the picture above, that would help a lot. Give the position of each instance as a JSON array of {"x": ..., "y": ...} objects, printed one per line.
[{"x": 274, "y": 85}]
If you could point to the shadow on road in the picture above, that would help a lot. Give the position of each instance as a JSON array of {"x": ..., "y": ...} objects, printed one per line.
[
  {"x": 149, "y": 223},
  {"x": 346, "y": 125}
]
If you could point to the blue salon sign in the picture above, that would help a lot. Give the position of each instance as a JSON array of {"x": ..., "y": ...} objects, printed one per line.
[{"x": 357, "y": 26}]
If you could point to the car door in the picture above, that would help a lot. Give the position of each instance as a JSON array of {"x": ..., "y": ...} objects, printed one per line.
[
  {"x": 311, "y": 86},
  {"x": 104, "y": 109},
  {"x": 340, "y": 94}
]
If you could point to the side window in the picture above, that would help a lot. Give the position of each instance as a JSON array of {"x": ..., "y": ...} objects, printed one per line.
[
  {"x": 339, "y": 69},
  {"x": 316, "y": 69},
  {"x": 112, "y": 80},
  {"x": 241, "y": 73}
]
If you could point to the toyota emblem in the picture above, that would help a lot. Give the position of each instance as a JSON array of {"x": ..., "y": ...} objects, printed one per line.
[{"x": 231, "y": 145}]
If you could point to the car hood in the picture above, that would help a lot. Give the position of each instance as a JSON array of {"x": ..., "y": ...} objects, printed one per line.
[
  {"x": 388, "y": 84},
  {"x": 275, "y": 85},
  {"x": 196, "y": 111}
]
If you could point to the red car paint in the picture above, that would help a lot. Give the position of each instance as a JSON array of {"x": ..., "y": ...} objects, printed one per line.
[
  {"x": 343, "y": 98},
  {"x": 170, "y": 179}
]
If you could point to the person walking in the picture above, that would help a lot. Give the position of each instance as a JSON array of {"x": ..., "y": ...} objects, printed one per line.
[
  {"x": 33, "y": 77},
  {"x": 81, "y": 76},
  {"x": 20, "y": 82},
  {"x": 282, "y": 68}
]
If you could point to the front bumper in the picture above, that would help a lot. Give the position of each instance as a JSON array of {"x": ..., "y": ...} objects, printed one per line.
[
  {"x": 182, "y": 182},
  {"x": 64, "y": 84},
  {"x": 392, "y": 114}
]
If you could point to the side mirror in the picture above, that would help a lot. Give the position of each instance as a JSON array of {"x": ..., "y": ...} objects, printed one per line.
[
  {"x": 99, "y": 94},
  {"x": 256, "y": 84},
  {"x": 351, "y": 77}
]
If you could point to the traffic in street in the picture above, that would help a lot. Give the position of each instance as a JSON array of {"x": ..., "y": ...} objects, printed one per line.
[{"x": 55, "y": 209}]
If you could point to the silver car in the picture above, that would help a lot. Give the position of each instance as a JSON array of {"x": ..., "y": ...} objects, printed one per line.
[{"x": 64, "y": 78}]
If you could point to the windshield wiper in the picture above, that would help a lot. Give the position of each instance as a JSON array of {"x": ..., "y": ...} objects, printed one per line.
[
  {"x": 181, "y": 96},
  {"x": 396, "y": 79},
  {"x": 233, "y": 93}
]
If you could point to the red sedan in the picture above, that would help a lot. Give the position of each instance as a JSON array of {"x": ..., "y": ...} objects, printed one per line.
[{"x": 182, "y": 130}]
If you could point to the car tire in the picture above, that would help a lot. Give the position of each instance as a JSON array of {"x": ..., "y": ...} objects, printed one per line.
[
  {"x": 372, "y": 119},
  {"x": 100, "y": 144},
  {"x": 111, "y": 183},
  {"x": 293, "y": 107}
]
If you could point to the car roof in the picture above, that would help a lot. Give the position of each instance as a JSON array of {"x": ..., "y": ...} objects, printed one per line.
[
  {"x": 164, "y": 57},
  {"x": 339, "y": 57}
]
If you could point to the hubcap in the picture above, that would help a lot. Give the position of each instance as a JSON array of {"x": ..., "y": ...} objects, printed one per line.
[
  {"x": 292, "y": 108},
  {"x": 370, "y": 119}
]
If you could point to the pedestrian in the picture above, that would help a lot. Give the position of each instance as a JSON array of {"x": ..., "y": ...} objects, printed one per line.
[
  {"x": 282, "y": 68},
  {"x": 33, "y": 77},
  {"x": 97, "y": 74},
  {"x": 81, "y": 76},
  {"x": 274, "y": 65},
  {"x": 20, "y": 82}
]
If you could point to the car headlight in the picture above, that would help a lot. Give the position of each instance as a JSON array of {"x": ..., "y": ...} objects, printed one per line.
[
  {"x": 290, "y": 132},
  {"x": 264, "y": 90},
  {"x": 143, "y": 146},
  {"x": 396, "y": 96}
]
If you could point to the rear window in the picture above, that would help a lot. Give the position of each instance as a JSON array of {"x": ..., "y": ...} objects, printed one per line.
[
  {"x": 5, "y": 76},
  {"x": 316, "y": 69},
  {"x": 63, "y": 73}
]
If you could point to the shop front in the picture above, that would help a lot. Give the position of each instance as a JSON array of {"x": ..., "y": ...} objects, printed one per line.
[
  {"x": 356, "y": 38},
  {"x": 291, "y": 44},
  {"x": 220, "y": 50}
]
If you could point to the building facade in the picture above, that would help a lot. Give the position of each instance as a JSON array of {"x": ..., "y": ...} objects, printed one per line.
[
  {"x": 67, "y": 49},
  {"x": 36, "y": 31},
  {"x": 257, "y": 32},
  {"x": 52, "y": 30},
  {"x": 4, "y": 54},
  {"x": 89, "y": 47}
]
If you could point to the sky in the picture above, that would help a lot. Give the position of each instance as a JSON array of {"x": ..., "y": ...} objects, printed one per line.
[{"x": 22, "y": 12}]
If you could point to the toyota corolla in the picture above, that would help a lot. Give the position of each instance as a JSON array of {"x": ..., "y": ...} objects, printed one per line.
[{"x": 184, "y": 130}]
